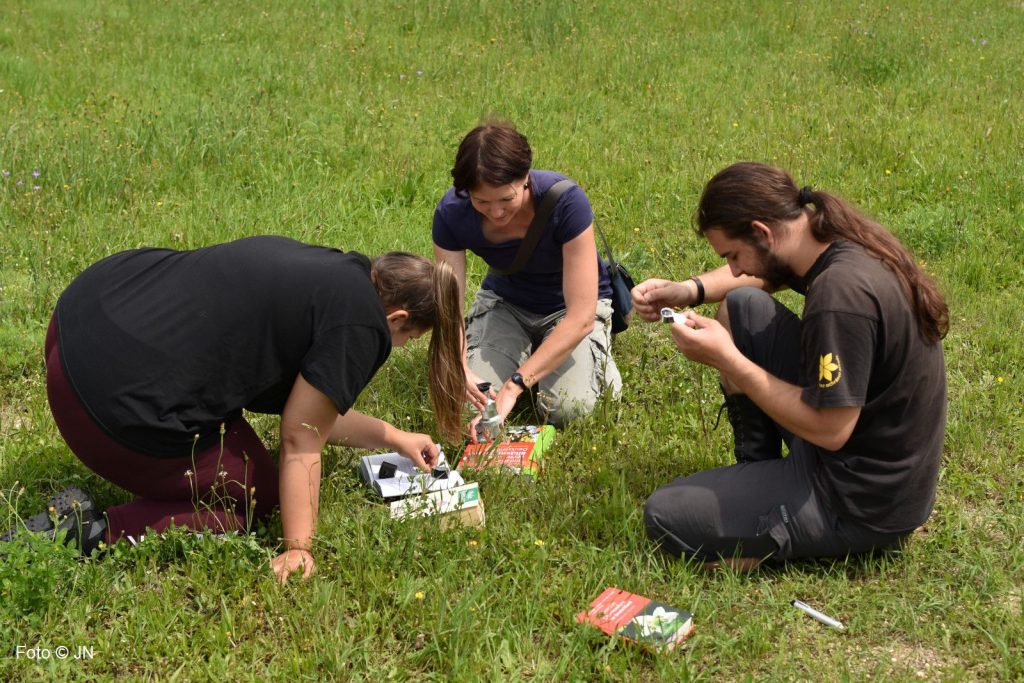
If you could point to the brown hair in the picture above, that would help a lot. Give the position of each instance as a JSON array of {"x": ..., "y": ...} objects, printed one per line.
[
  {"x": 430, "y": 294},
  {"x": 748, "y": 191},
  {"x": 494, "y": 153}
]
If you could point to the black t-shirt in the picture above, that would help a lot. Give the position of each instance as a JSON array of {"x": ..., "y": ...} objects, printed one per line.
[
  {"x": 162, "y": 345},
  {"x": 860, "y": 346}
]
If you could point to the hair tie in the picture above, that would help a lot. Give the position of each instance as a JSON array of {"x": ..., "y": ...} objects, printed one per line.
[{"x": 806, "y": 196}]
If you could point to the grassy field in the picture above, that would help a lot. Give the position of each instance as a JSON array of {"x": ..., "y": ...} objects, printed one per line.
[{"x": 186, "y": 123}]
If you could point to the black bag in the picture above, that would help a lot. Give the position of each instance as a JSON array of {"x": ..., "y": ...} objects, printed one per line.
[{"x": 622, "y": 284}]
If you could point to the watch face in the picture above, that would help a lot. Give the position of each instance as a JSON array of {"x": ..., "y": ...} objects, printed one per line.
[{"x": 518, "y": 379}]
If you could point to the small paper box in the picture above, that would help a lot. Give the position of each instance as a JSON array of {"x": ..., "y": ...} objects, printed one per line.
[
  {"x": 459, "y": 505},
  {"x": 401, "y": 478}
]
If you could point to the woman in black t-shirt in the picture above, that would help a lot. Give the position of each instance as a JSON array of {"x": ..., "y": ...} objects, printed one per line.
[{"x": 153, "y": 354}]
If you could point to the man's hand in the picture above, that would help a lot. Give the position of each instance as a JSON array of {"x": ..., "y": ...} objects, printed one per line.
[
  {"x": 650, "y": 296},
  {"x": 420, "y": 448},
  {"x": 293, "y": 560},
  {"x": 705, "y": 340}
]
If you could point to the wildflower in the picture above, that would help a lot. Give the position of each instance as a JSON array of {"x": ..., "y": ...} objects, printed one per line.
[
  {"x": 52, "y": 510},
  {"x": 20, "y": 182},
  {"x": 36, "y": 174},
  {"x": 6, "y": 173},
  {"x": 999, "y": 379},
  {"x": 188, "y": 473},
  {"x": 472, "y": 544},
  {"x": 539, "y": 543},
  {"x": 420, "y": 595},
  {"x": 36, "y": 188},
  {"x": 222, "y": 474}
]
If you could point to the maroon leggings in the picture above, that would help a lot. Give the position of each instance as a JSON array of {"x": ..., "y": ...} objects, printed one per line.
[{"x": 220, "y": 489}]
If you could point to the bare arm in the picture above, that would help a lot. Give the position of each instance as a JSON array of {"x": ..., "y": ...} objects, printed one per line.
[
  {"x": 305, "y": 423},
  {"x": 650, "y": 296},
  {"x": 358, "y": 430},
  {"x": 309, "y": 421},
  {"x": 579, "y": 286},
  {"x": 706, "y": 341}
]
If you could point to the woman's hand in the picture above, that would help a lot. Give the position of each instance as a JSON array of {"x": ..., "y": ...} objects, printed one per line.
[
  {"x": 471, "y": 428},
  {"x": 291, "y": 561},
  {"x": 473, "y": 393},
  {"x": 506, "y": 399},
  {"x": 420, "y": 448}
]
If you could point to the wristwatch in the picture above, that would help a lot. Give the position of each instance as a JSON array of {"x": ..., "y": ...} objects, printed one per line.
[{"x": 517, "y": 378}]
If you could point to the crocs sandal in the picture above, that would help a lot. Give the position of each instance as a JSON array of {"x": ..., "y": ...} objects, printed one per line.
[{"x": 74, "y": 512}]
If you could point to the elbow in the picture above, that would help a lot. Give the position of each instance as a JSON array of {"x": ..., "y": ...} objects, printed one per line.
[
  {"x": 834, "y": 439},
  {"x": 579, "y": 324},
  {"x": 300, "y": 442},
  {"x": 831, "y": 442}
]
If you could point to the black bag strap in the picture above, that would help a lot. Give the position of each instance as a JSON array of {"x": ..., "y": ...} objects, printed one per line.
[
  {"x": 540, "y": 220},
  {"x": 607, "y": 249}
]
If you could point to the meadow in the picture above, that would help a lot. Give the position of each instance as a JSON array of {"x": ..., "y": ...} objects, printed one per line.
[{"x": 185, "y": 123}]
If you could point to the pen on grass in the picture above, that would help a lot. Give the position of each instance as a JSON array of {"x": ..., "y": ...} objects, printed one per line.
[{"x": 815, "y": 614}]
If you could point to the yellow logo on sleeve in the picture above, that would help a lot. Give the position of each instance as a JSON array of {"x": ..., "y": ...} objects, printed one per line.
[{"x": 829, "y": 371}]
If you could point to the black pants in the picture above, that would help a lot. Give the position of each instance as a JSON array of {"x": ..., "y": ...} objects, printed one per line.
[{"x": 768, "y": 507}]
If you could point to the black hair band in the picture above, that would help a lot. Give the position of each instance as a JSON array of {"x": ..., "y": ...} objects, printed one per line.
[{"x": 806, "y": 196}]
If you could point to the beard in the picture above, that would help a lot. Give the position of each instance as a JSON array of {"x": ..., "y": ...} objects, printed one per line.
[{"x": 774, "y": 271}]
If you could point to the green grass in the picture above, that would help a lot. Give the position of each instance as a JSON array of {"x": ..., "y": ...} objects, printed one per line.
[{"x": 188, "y": 123}]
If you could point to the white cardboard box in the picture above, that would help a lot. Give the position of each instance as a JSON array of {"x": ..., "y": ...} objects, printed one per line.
[{"x": 463, "y": 500}]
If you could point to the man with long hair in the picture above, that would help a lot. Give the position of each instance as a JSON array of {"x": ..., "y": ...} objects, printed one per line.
[{"x": 855, "y": 388}]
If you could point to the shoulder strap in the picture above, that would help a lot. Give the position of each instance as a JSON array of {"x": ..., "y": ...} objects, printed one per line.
[
  {"x": 607, "y": 249},
  {"x": 540, "y": 220}
]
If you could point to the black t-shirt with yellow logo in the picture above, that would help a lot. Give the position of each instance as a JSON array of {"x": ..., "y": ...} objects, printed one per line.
[
  {"x": 860, "y": 346},
  {"x": 162, "y": 345}
]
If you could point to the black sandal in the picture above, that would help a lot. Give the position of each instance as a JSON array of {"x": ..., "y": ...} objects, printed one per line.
[{"x": 72, "y": 511}]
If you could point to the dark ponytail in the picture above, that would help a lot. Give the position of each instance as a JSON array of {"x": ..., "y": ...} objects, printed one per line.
[{"x": 747, "y": 192}]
